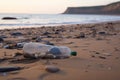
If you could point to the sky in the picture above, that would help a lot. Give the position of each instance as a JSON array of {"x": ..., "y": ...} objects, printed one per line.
[{"x": 46, "y": 6}]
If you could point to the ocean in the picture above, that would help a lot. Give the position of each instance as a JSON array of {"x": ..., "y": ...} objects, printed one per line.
[{"x": 38, "y": 20}]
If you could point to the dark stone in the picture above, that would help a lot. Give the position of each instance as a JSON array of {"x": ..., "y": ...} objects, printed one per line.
[
  {"x": 49, "y": 36},
  {"x": 10, "y": 46},
  {"x": 20, "y": 45},
  {"x": 9, "y": 68},
  {"x": 3, "y": 36},
  {"x": 16, "y": 34},
  {"x": 102, "y": 57},
  {"x": 57, "y": 32},
  {"x": 82, "y": 35},
  {"x": 97, "y": 53},
  {"x": 38, "y": 39},
  {"x": 94, "y": 32},
  {"x": 34, "y": 38},
  {"x": 92, "y": 56},
  {"x": 46, "y": 33},
  {"x": 9, "y": 18},
  {"x": 52, "y": 69},
  {"x": 3, "y": 59},
  {"x": 49, "y": 43},
  {"x": 102, "y": 33},
  {"x": 1, "y": 40}
]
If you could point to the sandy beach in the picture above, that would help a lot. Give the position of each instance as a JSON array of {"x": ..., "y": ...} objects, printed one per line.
[{"x": 97, "y": 46}]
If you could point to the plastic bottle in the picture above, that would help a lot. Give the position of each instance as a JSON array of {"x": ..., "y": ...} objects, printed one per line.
[
  {"x": 35, "y": 49},
  {"x": 62, "y": 52}
]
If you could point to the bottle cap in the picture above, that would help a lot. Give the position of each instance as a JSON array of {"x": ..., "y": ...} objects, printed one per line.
[{"x": 74, "y": 53}]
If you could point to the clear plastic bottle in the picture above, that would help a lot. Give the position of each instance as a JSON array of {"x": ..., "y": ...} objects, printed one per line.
[{"x": 35, "y": 49}]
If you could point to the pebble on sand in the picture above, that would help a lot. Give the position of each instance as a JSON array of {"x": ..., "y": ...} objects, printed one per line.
[{"x": 51, "y": 68}]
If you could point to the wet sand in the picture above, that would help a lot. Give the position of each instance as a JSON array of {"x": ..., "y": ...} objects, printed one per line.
[{"x": 97, "y": 46}]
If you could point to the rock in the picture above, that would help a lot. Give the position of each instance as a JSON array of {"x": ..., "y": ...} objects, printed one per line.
[
  {"x": 34, "y": 38},
  {"x": 92, "y": 56},
  {"x": 86, "y": 71},
  {"x": 49, "y": 43},
  {"x": 97, "y": 53},
  {"x": 3, "y": 36},
  {"x": 2, "y": 59},
  {"x": 38, "y": 39},
  {"x": 99, "y": 38},
  {"x": 16, "y": 34},
  {"x": 10, "y": 46},
  {"x": 9, "y": 18},
  {"x": 102, "y": 33},
  {"x": 57, "y": 32},
  {"x": 51, "y": 68},
  {"x": 1, "y": 40},
  {"x": 9, "y": 68},
  {"x": 102, "y": 57},
  {"x": 6, "y": 46},
  {"x": 20, "y": 45},
  {"x": 94, "y": 32},
  {"x": 1, "y": 45},
  {"x": 82, "y": 35},
  {"x": 117, "y": 58},
  {"x": 46, "y": 33},
  {"x": 49, "y": 36}
]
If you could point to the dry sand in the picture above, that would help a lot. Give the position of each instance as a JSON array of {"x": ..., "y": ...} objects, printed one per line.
[{"x": 97, "y": 59}]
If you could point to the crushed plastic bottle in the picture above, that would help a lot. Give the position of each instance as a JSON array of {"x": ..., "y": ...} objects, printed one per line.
[
  {"x": 40, "y": 50},
  {"x": 35, "y": 49}
]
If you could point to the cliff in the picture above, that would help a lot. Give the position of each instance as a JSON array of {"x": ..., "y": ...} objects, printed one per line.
[{"x": 113, "y": 8}]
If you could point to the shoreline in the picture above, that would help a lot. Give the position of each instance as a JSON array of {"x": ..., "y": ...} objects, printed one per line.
[{"x": 55, "y": 25}]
